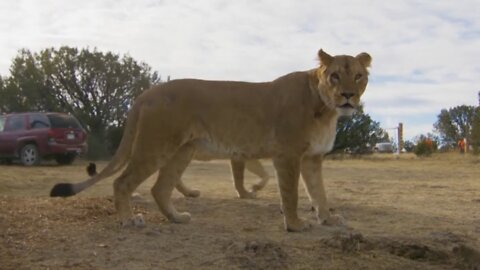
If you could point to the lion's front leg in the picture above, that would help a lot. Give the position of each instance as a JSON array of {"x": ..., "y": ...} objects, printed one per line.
[
  {"x": 311, "y": 169},
  {"x": 288, "y": 172}
]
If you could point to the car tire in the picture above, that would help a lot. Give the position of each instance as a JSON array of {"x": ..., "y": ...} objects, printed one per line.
[
  {"x": 29, "y": 155},
  {"x": 65, "y": 159}
]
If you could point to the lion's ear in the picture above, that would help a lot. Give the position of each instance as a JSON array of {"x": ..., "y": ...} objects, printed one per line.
[
  {"x": 325, "y": 58},
  {"x": 364, "y": 58}
]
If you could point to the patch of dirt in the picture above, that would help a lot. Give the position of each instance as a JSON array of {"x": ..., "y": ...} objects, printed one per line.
[{"x": 402, "y": 214}]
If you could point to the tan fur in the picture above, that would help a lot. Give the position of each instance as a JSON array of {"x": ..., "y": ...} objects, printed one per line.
[{"x": 291, "y": 120}]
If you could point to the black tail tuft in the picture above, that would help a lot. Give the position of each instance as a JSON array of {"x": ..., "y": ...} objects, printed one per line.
[
  {"x": 62, "y": 190},
  {"x": 91, "y": 169}
]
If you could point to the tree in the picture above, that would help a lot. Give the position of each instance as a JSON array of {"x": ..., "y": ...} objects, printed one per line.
[
  {"x": 358, "y": 133},
  {"x": 98, "y": 88},
  {"x": 409, "y": 146},
  {"x": 24, "y": 89},
  {"x": 2, "y": 89},
  {"x": 475, "y": 138},
  {"x": 456, "y": 123}
]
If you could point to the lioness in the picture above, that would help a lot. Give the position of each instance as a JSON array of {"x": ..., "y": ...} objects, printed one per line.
[{"x": 291, "y": 119}]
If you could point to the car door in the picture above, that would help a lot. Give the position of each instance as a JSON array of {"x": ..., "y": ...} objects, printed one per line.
[
  {"x": 14, "y": 127},
  {"x": 37, "y": 130}
]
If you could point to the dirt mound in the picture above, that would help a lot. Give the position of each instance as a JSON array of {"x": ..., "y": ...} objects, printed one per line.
[
  {"x": 462, "y": 255},
  {"x": 469, "y": 256},
  {"x": 414, "y": 251},
  {"x": 348, "y": 242},
  {"x": 256, "y": 254}
]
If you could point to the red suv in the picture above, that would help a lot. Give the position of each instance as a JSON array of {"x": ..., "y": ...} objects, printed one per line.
[{"x": 33, "y": 136}]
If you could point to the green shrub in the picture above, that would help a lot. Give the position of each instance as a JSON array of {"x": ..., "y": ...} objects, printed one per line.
[{"x": 425, "y": 147}]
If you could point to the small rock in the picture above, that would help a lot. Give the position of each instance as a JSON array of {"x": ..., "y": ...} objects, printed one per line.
[
  {"x": 153, "y": 233},
  {"x": 121, "y": 238}
]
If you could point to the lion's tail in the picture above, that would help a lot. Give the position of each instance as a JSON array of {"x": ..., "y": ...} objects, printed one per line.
[{"x": 118, "y": 161}]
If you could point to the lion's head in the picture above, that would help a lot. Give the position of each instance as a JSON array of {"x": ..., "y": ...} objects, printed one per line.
[{"x": 342, "y": 80}]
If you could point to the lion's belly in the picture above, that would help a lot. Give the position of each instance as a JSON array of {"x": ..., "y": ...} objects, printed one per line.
[
  {"x": 208, "y": 150},
  {"x": 238, "y": 136}
]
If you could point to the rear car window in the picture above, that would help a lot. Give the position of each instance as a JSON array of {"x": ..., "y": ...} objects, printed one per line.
[
  {"x": 38, "y": 121},
  {"x": 63, "y": 121},
  {"x": 2, "y": 123}
]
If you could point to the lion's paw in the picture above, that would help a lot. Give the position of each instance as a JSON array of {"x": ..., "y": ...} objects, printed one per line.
[
  {"x": 298, "y": 225},
  {"x": 333, "y": 220},
  {"x": 248, "y": 195},
  {"x": 260, "y": 185},
  {"x": 184, "y": 217},
  {"x": 194, "y": 193},
  {"x": 136, "y": 221},
  {"x": 257, "y": 187}
]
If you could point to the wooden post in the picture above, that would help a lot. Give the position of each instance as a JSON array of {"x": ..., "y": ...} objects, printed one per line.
[{"x": 400, "y": 137}]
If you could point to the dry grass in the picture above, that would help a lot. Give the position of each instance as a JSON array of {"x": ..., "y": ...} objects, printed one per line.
[{"x": 404, "y": 213}]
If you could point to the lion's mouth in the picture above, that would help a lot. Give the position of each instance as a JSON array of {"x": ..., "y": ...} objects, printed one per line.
[{"x": 346, "y": 106}]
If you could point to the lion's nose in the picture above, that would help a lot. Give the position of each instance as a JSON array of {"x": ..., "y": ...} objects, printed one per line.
[{"x": 348, "y": 95}]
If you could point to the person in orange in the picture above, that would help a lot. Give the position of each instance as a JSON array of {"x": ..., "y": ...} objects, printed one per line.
[
  {"x": 461, "y": 146},
  {"x": 429, "y": 143}
]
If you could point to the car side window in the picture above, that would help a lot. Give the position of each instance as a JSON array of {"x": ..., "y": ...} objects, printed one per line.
[
  {"x": 2, "y": 123},
  {"x": 38, "y": 121},
  {"x": 15, "y": 122}
]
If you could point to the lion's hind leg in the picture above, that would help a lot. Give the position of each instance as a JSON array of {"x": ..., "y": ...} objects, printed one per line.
[
  {"x": 168, "y": 177},
  {"x": 186, "y": 191},
  {"x": 238, "y": 169},
  {"x": 123, "y": 188},
  {"x": 257, "y": 168}
]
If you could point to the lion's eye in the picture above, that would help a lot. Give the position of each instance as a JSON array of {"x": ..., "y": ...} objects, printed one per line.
[
  {"x": 334, "y": 77},
  {"x": 358, "y": 77}
]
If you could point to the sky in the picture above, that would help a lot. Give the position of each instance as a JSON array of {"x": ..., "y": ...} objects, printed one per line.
[{"x": 426, "y": 54}]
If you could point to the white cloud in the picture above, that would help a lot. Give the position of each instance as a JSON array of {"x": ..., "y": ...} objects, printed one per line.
[{"x": 425, "y": 54}]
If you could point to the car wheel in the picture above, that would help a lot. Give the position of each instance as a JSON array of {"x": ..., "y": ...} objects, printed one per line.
[
  {"x": 29, "y": 155},
  {"x": 65, "y": 159}
]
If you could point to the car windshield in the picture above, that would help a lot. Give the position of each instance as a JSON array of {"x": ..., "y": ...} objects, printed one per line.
[{"x": 63, "y": 121}]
